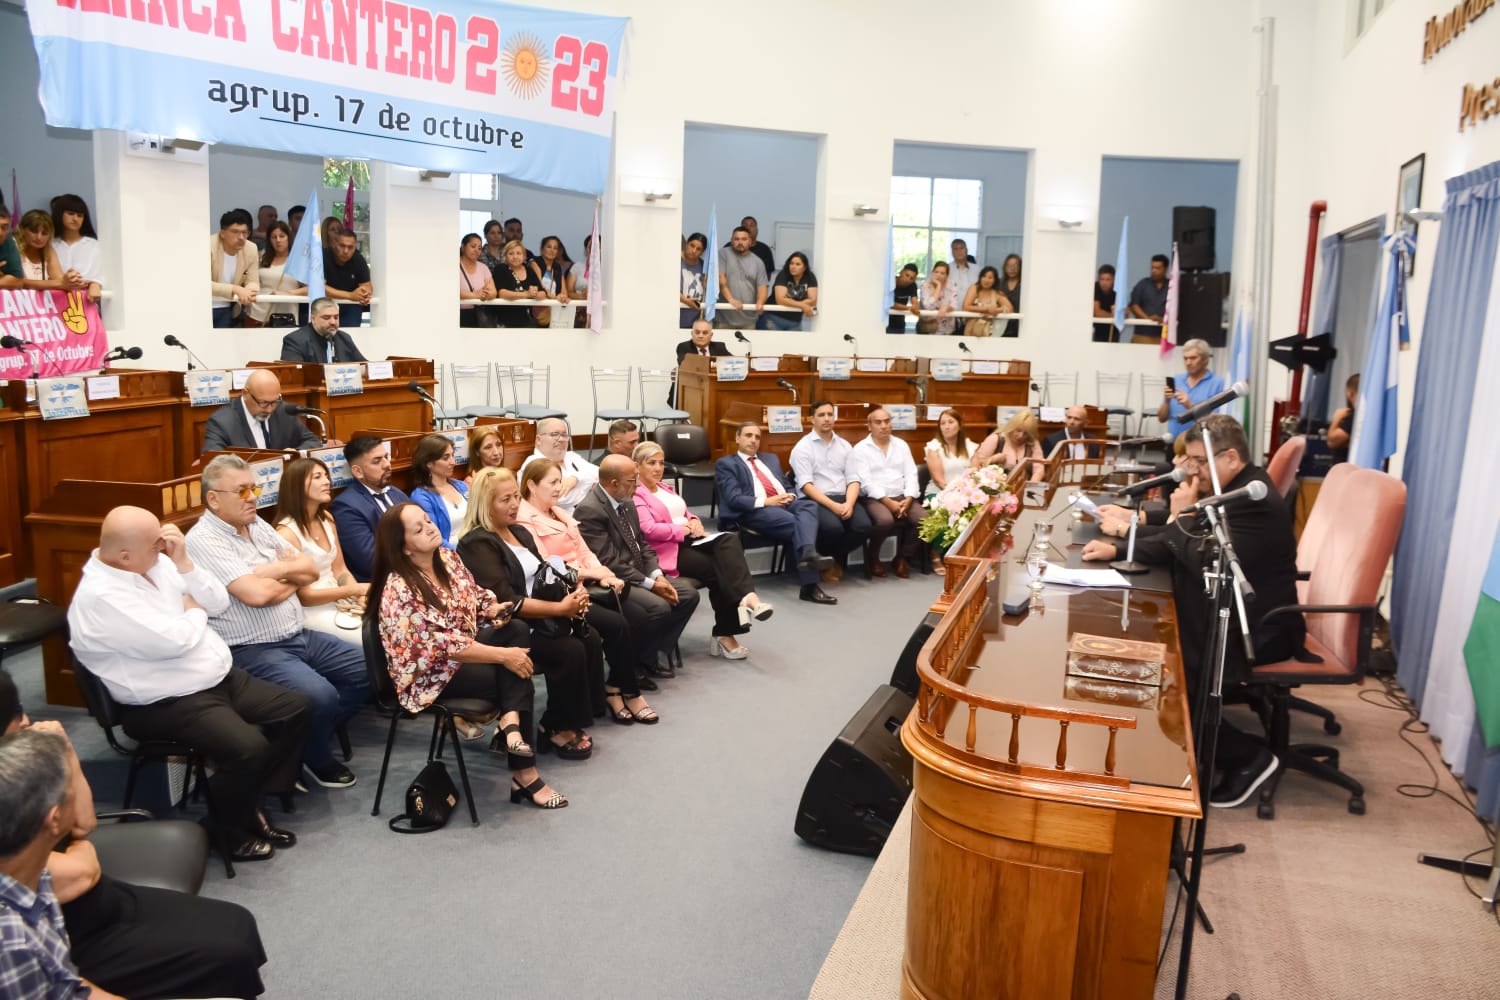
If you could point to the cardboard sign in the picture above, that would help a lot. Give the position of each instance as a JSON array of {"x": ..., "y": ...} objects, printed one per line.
[
  {"x": 732, "y": 369},
  {"x": 61, "y": 398},
  {"x": 835, "y": 369},
  {"x": 985, "y": 367},
  {"x": 343, "y": 380},
  {"x": 241, "y": 376},
  {"x": 770, "y": 363},
  {"x": 947, "y": 369},
  {"x": 104, "y": 387},
  {"x": 338, "y": 466},
  {"x": 784, "y": 420},
  {"x": 872, "y": 364},
  {"x": 376, "y": 370},
  {"x": 268, "y": 478},
  {"x": 903, "y": 416},
  {"x": 1052, "y": 414},
  {"x": 207, "y": 386},
  {"x": 460, "y": 439}
]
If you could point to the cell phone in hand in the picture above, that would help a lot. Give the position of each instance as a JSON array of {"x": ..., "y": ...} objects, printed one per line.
[{"x": 1171, "y": 383}]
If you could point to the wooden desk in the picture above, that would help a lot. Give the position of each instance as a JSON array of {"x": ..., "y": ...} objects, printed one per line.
[
  {"x": 707, "y": 400},
  {"x": 897, "y": 384},
  {"x": 66, "y": 529},
  {"x": 15, "y": 555},
  {"x": 1010, "y": 388},
  {"x": 519, "y": 437},
  {"x": 384, "y": 402},
  {"x": 1043, "y": 815},
  {"x": 192, "y": 421}
]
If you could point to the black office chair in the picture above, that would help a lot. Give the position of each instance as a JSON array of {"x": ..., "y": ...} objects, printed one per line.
[
  {"x": 443, "y": 711},
  {"x": 686, "y": 450},
  {"x": 26, "y": 621},
  {"x": 156, "y": 853},
  {"x": 106, "y": 711}
]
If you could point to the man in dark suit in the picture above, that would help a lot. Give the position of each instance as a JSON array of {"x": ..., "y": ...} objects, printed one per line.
[
  {"x": 320, "y": 342},
  {"x": 256, "y": 420},
  {"x": 656, "y": 605},
  {"x": 753, "y": 492},
  {"x": 1072, "y": 430},
  {"x": 359, "y": 507},
  {"x": 1262, "y": 536},
  {"x": 703, "y": 343}
]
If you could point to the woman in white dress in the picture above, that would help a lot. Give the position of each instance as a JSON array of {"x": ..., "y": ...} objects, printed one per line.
[
  {"x": 333, "y": 602},
  {"x": 76, "y": 243},
  {"x": 948, "y": 457},
  {"x": 274, "y": 280}
]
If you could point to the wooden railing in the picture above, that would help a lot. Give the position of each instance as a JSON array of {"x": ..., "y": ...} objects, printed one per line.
[
  {"x": 954, "y": 647},
  {"x": 986, "y": 538}
]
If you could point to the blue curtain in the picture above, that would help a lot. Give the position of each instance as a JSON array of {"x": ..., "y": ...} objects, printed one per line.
[
  {"x": 1325, "y": 315},
  {"x": 1433, "y": 452}
]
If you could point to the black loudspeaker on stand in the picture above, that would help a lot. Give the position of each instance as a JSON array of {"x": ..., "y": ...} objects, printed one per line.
[
  {"x": 1193, "y": 231},
  {"x": 862, "y": 782}
]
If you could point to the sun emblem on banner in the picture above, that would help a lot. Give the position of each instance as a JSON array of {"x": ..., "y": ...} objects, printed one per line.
[{"x": 524, "y": 65}]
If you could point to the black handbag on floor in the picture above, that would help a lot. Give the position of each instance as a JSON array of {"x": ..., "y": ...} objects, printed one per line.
[{"x": 430, "y": 800}]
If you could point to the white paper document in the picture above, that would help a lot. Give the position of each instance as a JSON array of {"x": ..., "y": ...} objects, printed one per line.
[
  {"x": 1065, "y": 577},
  {"x": 706, "y": 538}
]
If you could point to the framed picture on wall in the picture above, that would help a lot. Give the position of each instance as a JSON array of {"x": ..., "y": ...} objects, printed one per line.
[{"x": 1409, "y": 198}]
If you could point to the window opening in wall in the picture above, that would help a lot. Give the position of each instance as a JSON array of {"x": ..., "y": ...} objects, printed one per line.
[
  {"x": 336, "y": 174},
  {"x": 478, "y": 202},
  {"x": 929, "y": 213}
]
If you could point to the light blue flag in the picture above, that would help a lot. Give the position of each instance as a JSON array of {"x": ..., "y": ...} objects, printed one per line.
[
  {"x": 889, "y": 299},
  {"x": 1240, "y": 355},
  {"x": 305, "y": 261},
  {"x": 1375, "y": 415},
  {"x": 1122, "y": 285},
  {"x": 711, "y": 267}
]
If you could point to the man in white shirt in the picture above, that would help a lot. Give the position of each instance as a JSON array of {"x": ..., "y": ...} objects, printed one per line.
[
  {"x": 262, "y": 619},
  {"x": 579, "y": 476},
  {"x": 139, "y": 622},
  {"x": 963, "y": 272},
  {"x": 889, "y": 495},
  {"x": 824, "y": 470}
]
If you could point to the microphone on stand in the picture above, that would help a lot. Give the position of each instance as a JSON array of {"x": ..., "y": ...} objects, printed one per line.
[
  {"x": 964, "y": 347},
  {"x": 1136, "y": 489},
  {"x": 14, "y": 343},
  {"x": 920, "y": 381},
  {"x": 120, "y": 354},
  {"x": 310, "y": 412},
  {"x": 783, "y": 383},
  {"x": 849, "y": 339},
  {"x": 437, "y": 407},
  {"x": 738, "y": 335},
  {"x": 172, "y": 341},
  {"x": 1254, "y": 491},
  {"x": 1150, "y": 439},
  {"x": 1211, "y": 404},
  {"x": 17, "y": 344}
]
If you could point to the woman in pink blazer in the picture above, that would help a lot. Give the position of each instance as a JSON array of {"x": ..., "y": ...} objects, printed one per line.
[{"x": 717, "y": 562}]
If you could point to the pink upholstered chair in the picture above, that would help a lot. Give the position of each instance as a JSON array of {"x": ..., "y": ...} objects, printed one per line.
[
  {"x": 1360, "y": 520},
  {"x": 1285, "y": 463}
]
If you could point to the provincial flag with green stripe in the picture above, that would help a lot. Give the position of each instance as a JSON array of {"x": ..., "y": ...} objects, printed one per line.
[{"x": 1482, "y": 651}]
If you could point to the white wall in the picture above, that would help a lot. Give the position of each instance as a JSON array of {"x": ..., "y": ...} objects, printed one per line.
[
  {"x": 1064, "y": 69},
  {"x": 248, "y": 178},
  {"x": 770, "y": 175},
  {"x": 1003, "y": 171},
  {"x": 47, "y": 161}
]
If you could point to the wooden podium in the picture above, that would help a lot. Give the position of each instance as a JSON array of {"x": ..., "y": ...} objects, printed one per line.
[
  {"x": 1010, "y": 385},
  {"x": 1043, "y": 808},
  {"x": 192, "y": 421},
  {"x": 707, "y": 400}
]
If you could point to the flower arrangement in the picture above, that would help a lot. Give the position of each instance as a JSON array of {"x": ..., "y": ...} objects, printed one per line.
[{"x": 960, "y": 501}]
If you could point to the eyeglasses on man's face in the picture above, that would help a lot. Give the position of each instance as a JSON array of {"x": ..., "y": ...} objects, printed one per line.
[
  {"x": 244, "y": 492},
  {"x": 556, "y": 434}
]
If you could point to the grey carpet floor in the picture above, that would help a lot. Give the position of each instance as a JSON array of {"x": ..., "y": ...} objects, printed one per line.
[
  {"x": 673, "y": 872},
  {"x": 1322, "y": 906}
]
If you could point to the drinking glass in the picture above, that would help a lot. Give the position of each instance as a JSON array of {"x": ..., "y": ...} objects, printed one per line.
[{"x": 1035, "y": 560}]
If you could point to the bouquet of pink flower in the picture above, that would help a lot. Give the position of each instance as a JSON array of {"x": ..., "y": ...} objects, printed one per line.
[{"x": 956, "y": 505}]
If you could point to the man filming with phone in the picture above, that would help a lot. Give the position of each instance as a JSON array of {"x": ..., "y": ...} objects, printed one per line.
[{"x": 1187, "y": 390}]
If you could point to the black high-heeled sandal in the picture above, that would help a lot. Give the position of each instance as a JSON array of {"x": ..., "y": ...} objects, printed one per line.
[
  {"x": 646, "y": 716},
  {"x": 571, "y": 750},
  {"x": 621, "y": 715},
  {"x": 517, "y": 757},
  {"x": 529, "y": 792}
]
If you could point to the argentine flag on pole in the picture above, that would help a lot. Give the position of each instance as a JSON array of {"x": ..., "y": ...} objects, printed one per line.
[
  {"x": 1122, "y": 284},
  {"x": 305, "y": 261},
  {"x": 1169, "y": 320},
  {"x": 711, "y": 267},
  {"x": 1482, "y": 651},
  {"x": 1374, "y": 438}
]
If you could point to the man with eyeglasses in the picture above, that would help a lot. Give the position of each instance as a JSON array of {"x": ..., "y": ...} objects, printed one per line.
[
  {"x": 357, "y": 509},
  {"x": 257, "y": 420},
  {"x": 233, "y": 270},
  {"x": 1262, "y": 536},
  {"x": 579, "y": 475},
  {"x": 263, "y": 623}
]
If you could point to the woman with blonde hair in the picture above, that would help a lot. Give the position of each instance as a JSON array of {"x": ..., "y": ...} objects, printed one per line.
[
  {"x": 1012, "y": 444},
  {"x": 40, "y": 268}
]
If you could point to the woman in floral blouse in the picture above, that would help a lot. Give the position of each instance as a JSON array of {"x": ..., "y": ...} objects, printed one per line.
[{"x": 444, "y": 634}]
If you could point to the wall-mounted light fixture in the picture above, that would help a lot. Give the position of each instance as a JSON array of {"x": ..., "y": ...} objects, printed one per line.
[
  {"x": 429, "y": 175},
  {"x": 654, "y": 196},
  {"x": 172, "y": 145},
  {"x": 861, "y": 210}
]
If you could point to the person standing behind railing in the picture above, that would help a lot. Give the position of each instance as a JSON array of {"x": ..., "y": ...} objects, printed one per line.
[
  {"x": 690, "y": 290},
  {"x": 274, "y": 281},
  {"x": 475, "y": 284},
  {"x": 554, "y": 274},
  {"x": 346, "y": 277},
  {"x": 904, "y": 294},
  {"x": 514, "y": 282},
  {"x": 75, "y": 242},
  {"x": 937, "y": 294},
  {"x": 796, "y": 286}
]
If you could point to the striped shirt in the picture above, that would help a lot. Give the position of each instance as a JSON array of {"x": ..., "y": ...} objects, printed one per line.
[
  {"x": 227, "y": 555},
  {"x": 34, "y": 959}
]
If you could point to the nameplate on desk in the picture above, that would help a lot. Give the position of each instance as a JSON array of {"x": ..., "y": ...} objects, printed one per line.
[
  {"x": 104, "y": 387},
  {"x": 1052, "y": 414},
  {"x": 241, "y": 376},
  {"x": 935, "y": 410},
  {"x": 1004, "y": 413},
  {"x": 460, "y": 439},
  {"x": 61, "y": 398},
  {"x": 903, "y": 416},
  {"x": 947, "y": 369},
  {"x": 784, "y": 420},
  {"x": 769, "y": 363},
  {"x": 376, "y": 370},
  {"x": 985, "y": 367},
  {"x": 343, "y": 380},
  {"x": 732, "y": 369},
  {"x": 871, "y": 364},
  {"x": 338, "y": 466},
  {"x": 835, "y": 369},
  {"x": 268, "y": 478},
  {"x": 206, "y": 386}
]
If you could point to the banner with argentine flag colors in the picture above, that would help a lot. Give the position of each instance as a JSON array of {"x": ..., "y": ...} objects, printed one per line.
[
  {"x": 1374, "y": 435},
  {"x": 1482, "y": 650},
  {"x": 458, "y": 85}
]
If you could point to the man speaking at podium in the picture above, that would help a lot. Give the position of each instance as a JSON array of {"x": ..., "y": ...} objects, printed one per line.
[
  {"x": 256, "y": 420},
  {"x": 320, "y": 342}
]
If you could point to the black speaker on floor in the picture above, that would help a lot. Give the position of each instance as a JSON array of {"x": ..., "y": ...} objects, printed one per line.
[
  {"x": 904, "y": 676},
  {"x": 1200, "y": 307},
  {"x": 861, "y": 783},
  {"x": 1193, "y": 231}
]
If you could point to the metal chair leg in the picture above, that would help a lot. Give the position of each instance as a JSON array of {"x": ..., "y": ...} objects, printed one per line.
[
  {"x": 463, "y": 771},
  {"x": 385, "y": 763}
]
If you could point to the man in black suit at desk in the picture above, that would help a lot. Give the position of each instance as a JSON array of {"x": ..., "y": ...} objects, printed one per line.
[
  {"x": 703, "y": 343},
  {"x": 320, "y": 342},
  {"x": 256, "y": 420},
  {"x": 1262, "y": 536},
  {"x": 1072, "y": 430},
  {"x": 657, "y": 606}
]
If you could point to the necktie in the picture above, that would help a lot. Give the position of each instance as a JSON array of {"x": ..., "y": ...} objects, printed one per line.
[
  {"x": 265, "y": 431},
  {"x": 330, "y": 351},
  {"x": 382, "y": 501},
  {"x": 635, "y": 545},
  {"x": 703, "y": 351},
  {"x": 765, "y": 480}
]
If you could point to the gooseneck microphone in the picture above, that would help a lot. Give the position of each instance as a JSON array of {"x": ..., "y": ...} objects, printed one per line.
[
  {"x": 294, "y": 410},
  {"x": 1254, "y": 491},
  {"x": 14, "y": 343},
  {"x": 783, "y": 383},
  {"x": 738, "y": 335},
  {"x": 1211, "y": 404},
  {"x": 172, "y": 341},
  {"x": 849, "y": 339},
  {"x": 1136, "y": 489},
  {"x": 1150, "y": 439},
  {"x": 439, "y": 414},
  {"x": 964, "y": 347}
]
